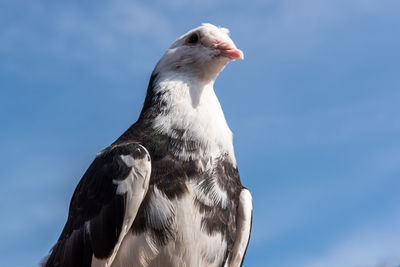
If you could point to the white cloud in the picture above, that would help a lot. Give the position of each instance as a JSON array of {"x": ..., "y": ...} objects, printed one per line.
[
  {"x": 376, "y": 244},
  {"x": 306, "y": 22},
  {"x": 108, "y": 38},
  {"x": 116, "y": 20}
]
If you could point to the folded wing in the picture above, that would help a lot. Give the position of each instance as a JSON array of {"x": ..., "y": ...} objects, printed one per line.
[
  {"x": 103, "y": 207},
  {"x": 243, "y": 228}
]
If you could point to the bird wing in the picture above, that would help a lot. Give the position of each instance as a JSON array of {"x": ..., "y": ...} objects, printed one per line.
[
  {"x": 103, "y": 207},
  {"x": 243, "y": 228}
]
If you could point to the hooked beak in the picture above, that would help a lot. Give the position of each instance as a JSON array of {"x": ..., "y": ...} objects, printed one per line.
[{"x": 229, "y": 51}]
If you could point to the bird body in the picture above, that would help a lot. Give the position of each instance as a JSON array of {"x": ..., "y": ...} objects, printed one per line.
[{"x": 168, "y": 191}]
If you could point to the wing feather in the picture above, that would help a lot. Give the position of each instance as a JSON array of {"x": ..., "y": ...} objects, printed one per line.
[
  {"x": 103, "y": 207},
  {"x": 243, "y": 228}
]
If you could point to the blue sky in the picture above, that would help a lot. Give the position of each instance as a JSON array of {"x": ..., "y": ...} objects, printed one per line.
[{"x": 314, "y": 108}]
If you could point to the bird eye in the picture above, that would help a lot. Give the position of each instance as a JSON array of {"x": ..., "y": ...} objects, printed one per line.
[{"x": 193, "y": 38}]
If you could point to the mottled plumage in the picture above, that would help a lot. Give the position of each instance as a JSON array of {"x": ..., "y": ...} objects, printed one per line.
[{"x": 167, "y": 192}]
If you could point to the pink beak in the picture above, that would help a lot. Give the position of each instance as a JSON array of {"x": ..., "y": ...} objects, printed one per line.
[{"x": 229, "y": 51}]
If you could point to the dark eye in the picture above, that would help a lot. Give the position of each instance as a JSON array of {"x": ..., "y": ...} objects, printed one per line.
[{"x": 193, "y": 38}]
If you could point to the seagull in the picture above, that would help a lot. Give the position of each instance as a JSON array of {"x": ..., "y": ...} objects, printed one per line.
[{"x": 167, "y": 192}]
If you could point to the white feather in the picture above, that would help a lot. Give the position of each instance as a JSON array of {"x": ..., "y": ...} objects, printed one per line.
[
  {"x": 193, "y": 106},
  {"x": 210, "y": 252},
  {"x": 135, "y": 187},
  {"x": 191, "y": 247},
  {"x": 243, "y": 224},
  {"x": 160, "y": 209},
  {"x": 216, "y": 196},
  {"x": 128, "y": 160}
]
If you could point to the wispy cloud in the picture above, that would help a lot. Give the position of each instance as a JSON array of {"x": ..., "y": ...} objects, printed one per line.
[
  {"x": 279, "y": 23},
  {"x": 315, "y": 115},
  {"x": 375, "y": 244},
  {"x": 91, "y": 36}
]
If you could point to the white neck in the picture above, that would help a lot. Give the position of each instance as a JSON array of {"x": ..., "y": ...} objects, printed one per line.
[{"x": 192, "y": 105}]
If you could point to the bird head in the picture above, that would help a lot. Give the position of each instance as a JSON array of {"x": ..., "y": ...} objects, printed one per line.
[{"x": 201, "y": 53}]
